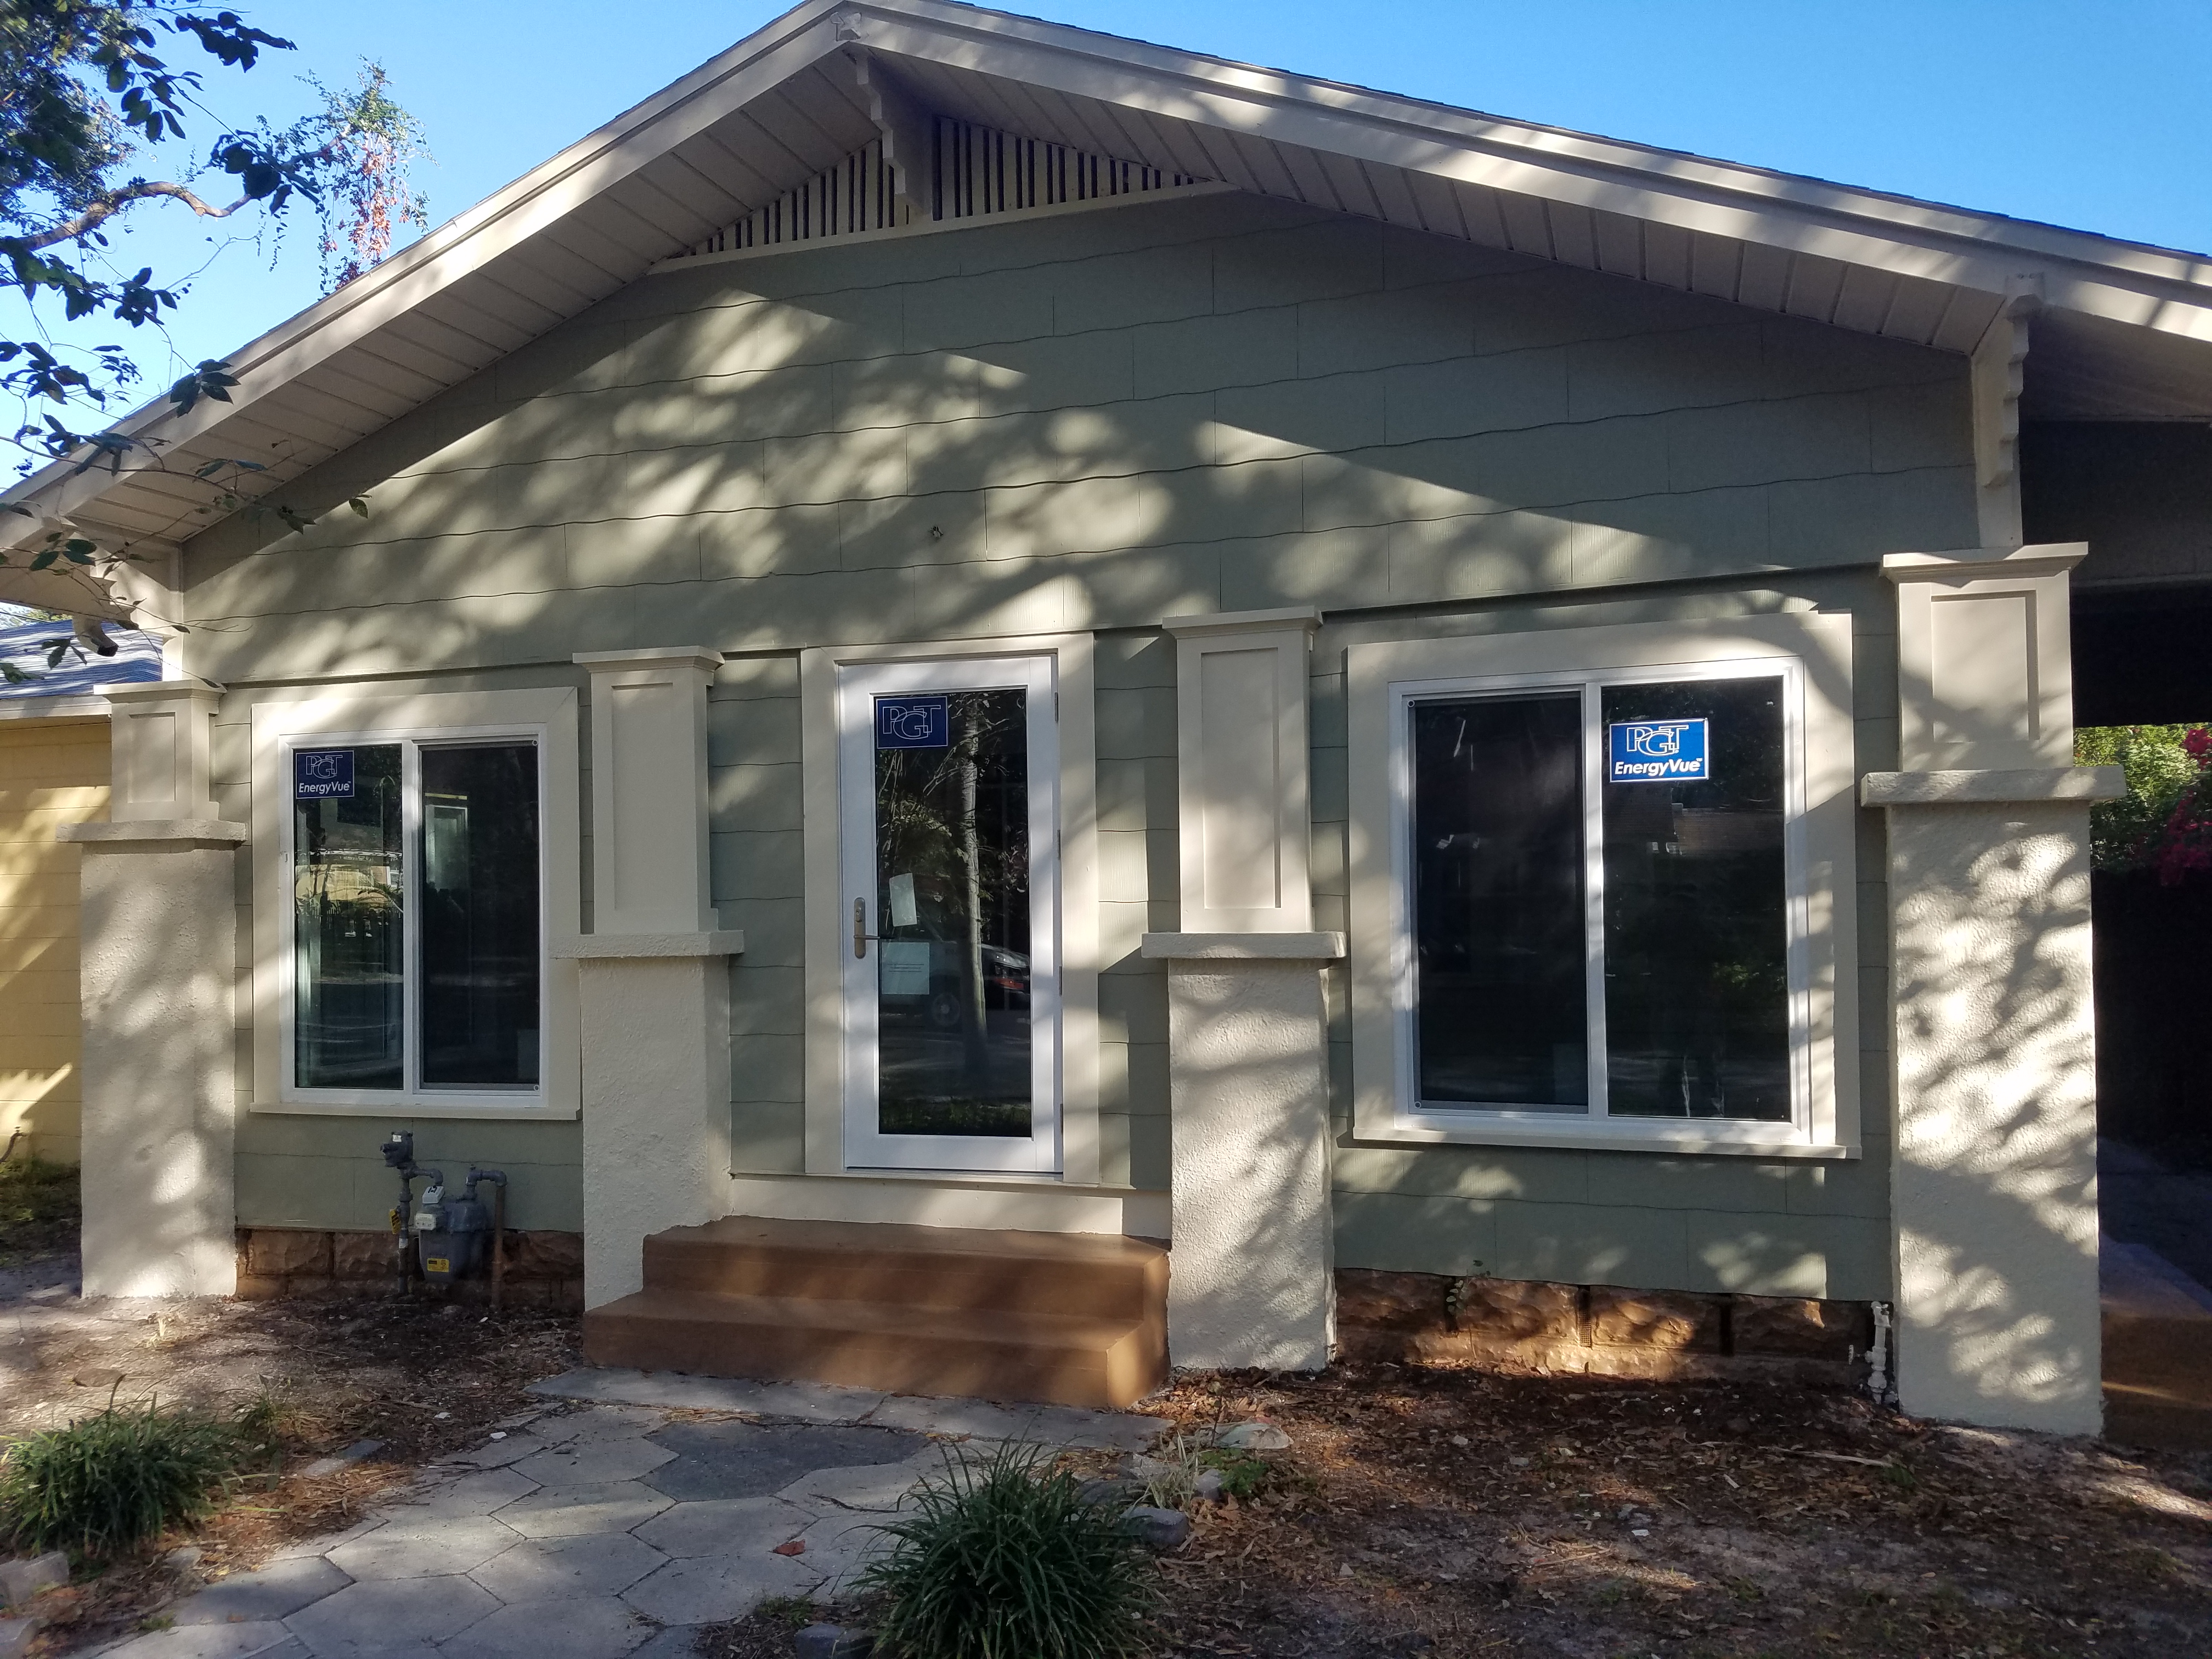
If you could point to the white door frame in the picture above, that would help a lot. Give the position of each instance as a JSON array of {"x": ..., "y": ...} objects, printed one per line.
[{"x": 866, "y": 1145}]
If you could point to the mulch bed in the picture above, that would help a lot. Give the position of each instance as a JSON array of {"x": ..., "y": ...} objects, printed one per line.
[
  {"x": 1449, "y": 1512},
  {"x": 1445, "y": 1513}
]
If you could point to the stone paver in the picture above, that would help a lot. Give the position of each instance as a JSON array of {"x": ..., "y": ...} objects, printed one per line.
[
  {"x": 366, "y": 1619},
  {"x": 712, "y": 1588},
  {"x": 596, "y": 1627},
  {"x": 610, "y": 1530},
  {"x": 425, "y": 1549},
  {"x": 594, "y": 1462},
  {"x": 499, "y": 1454},
  {"x": 751, "y": 1459},
  {"x": 565, "y": 1511},
  {"x": 271, "y": 1593},
  {"x": 563, "y": 1569},
  {"x": 206, "y": 1642},
  {"x": 446, "y": 1500},
  {"x": 725, "y": 1527}
]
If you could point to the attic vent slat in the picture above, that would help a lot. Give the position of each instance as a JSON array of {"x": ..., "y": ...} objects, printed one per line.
[{"x": 981, "y": 172}]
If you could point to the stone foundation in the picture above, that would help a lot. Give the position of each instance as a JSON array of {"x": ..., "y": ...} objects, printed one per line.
[
  {"x": 1599, "y": 1330},
  {"x": 543, "y": 1269}
]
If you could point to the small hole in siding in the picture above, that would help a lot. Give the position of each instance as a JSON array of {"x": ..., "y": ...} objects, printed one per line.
[{"x": 936, "y": 532}]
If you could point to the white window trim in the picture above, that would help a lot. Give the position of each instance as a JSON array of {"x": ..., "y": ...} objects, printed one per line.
[
  {"x": 1814, "y": 654},
  {"x": 829, "y": 925},
  {"x": 548, "y": 718}
]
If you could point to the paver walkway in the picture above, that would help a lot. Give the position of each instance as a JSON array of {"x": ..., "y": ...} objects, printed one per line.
[{"x": 613, "y": 1525}]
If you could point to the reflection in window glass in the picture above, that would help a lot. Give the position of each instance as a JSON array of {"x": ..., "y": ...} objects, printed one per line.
[
  {"x": 479, "y": 922},
  {"x": 953, "y": 916},
  {"x": 349, "y": 892},
  {"x": 1696, "y": 938},
  {"x": 1500, "y": 939}
]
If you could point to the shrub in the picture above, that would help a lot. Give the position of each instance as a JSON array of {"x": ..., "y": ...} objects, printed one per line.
[
  {"x": 1006, "y": 1560},
  {"x": 114, "y": 1479}
]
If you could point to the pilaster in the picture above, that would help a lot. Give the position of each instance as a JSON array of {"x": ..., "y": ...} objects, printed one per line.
[
  {"x": 1250, "y": 1280},
  {"x": 156, "y": 986},
  {"x": 654, "y": 972},
  {"x": 1993, "y": 1180}
]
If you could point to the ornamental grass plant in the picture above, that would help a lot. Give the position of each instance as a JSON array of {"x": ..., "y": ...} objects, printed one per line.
[
  {"x": 115, "y": 1479},
  {"x": 1005, "y": 1559}
]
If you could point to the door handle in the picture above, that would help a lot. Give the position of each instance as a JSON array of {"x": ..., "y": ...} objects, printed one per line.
[{"x": 861, "y": 933}]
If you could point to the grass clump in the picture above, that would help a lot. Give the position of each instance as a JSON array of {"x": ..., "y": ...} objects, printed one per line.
[
  {"x": 1005, "y": 1559},
  {"x": 38, "y": 1212},
  {"x": 115, "y": 1479}
]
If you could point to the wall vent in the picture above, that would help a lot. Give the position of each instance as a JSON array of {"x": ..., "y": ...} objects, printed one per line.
[{"x": 979, "y": 172}]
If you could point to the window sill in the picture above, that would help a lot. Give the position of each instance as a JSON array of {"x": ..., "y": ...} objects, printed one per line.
[
  {"x": 404, "y": 1106},
  {"x": 1702, "y": 1139}
]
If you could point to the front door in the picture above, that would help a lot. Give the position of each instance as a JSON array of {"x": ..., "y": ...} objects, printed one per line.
[{"x": 949, "y": 931}]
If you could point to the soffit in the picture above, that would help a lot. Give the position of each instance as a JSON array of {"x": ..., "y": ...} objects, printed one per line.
[{"x": 2126, "y": 331}]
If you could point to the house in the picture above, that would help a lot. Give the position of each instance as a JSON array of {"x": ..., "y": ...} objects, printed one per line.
[
  {"x": 53, "y": 771},
  {"x": 1012, "y": 703}
]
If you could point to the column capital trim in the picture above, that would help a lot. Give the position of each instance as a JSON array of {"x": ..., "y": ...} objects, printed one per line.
[
  {"x": 615, "y": 662},
  {"x": 1305, "y": 616},
  {"x": 604, "y": 947},
  {"x": 1968, "y": 788},
  {"x": 1977, "y": 564},
  {"x": 1243, "y": 947},
  {"x": 161, "y": 690},
  {"x": 160, "y": 835}
]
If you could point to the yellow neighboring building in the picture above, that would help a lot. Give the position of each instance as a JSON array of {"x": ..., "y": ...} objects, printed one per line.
[{"x": 53, "y": 771}]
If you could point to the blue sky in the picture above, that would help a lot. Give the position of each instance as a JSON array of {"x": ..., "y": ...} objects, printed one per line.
[{"x": 2095, "y": 116}]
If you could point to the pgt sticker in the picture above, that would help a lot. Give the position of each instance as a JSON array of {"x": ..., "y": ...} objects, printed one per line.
[
  {"x": 322, "y": 774},
  {"x": 1656, "y": 751},
  {"x": 913, "y": 723}
]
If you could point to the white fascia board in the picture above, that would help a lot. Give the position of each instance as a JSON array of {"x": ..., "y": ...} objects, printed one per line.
[{"x": 2150, "y": 288}]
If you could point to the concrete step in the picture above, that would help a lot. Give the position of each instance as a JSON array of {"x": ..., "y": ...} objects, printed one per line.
[
  {"x": 1098, "y": 1275},
  {"x": 1059, "y": 1358},
  {"x": 2157, "y": 1350}
]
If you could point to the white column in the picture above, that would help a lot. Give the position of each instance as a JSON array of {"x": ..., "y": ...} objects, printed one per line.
[
  {"x": 159, "y": 966},
  {"x": 654, "y": 979},
  {"x": 1994, "y": 1164},
  {"x": 1250, "y": 1280}
]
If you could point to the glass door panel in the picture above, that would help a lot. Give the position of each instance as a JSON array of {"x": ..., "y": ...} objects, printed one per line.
[{"x": 951, "y": 1054}]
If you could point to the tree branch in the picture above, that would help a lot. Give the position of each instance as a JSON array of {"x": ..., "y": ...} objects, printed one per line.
[{"x": 107, "y": 207}]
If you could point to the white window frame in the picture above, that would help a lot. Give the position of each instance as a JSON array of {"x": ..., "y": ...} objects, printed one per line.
[
  {"x": 1812, "y": 656},
  {"x": 829, "y": 914},
  {"x": 437, "y": 719}
]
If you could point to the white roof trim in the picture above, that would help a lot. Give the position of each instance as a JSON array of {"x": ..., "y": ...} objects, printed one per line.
[{"x": 1400, "y": 157}]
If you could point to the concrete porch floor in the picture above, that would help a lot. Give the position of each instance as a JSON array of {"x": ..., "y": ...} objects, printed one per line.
[{"x": 635, "y": 1508}]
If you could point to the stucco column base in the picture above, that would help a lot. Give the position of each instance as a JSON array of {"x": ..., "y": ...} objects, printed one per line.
[
  {"x": 158, "y": 974},
  {"x": 656, "y": 1045},
  {"x": 1250, "y": 1280},
  {"x": 1994, "y": 1178}
]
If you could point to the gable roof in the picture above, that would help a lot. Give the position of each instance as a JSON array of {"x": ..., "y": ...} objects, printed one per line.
[{"x": 2123, "y": 330}]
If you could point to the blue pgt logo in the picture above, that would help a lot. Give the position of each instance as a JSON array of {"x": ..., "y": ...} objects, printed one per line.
[
  {"x": 913, "y": 723},
  {"x": 1656, "y": 751},
  {"x": 322, "y": 774}
]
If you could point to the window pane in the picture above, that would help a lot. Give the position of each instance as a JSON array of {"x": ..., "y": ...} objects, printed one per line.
[
  {"x": 480, "y": 922},
  {"x": 348, "y": 937},
  {"x": 1697, "y": 1006},
  {"x": 953, "y": 913},
  {"x": 1499, "y": 936}
]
